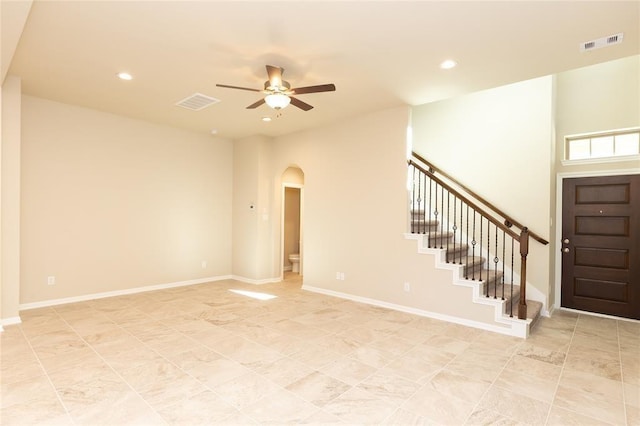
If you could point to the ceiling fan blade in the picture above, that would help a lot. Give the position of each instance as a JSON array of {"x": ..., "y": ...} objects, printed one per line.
[
  {"x": 256, "y": 104},
  {"x": 238, "y": 87},
  {"x": 275, "y": 75},
  {"x": 302, "y": 105},
  {"x": 314, "y": 89}
]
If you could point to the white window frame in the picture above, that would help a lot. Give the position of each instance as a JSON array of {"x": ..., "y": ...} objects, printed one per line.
[{"x": 596, "y": 160}]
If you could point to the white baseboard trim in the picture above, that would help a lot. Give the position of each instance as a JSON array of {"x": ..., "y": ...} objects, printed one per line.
[
  {"x": 469, "y": 323},
  {"x": 287, "y": 268},
  {"x": 258, "y": 282},
  {"x": 84, "y": 298},
  {"x": 9, "y": 321}
]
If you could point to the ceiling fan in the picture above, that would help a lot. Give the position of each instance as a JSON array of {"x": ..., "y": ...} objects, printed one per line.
[{"x": 278, "y": 91}]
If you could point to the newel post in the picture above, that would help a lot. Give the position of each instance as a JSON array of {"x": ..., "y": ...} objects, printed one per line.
[{"x": 524, "y": 251}]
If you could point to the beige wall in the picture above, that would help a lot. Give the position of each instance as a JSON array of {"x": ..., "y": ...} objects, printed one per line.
[
  {"x": 597, "y": 98},
  {"x": 10, "y": 197},
  {"x": 591, "y": 99},
  {"x": 252, "y": 210},
  {"x": 111, "y": 203},
  {"x": 498, "y": 143},
  {"x": 354, "y": 201},
  {"x": 355, "y": 217}
]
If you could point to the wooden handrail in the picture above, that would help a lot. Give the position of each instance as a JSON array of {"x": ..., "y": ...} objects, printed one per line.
[
  {"x": 508, "y": 219},
  {"x": 479, "y": 209}
]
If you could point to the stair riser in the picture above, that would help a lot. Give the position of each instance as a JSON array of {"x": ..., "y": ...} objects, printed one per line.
[
  {"x": 507, "y": 301},
  {"x": 457, "y": 256},
  {"x": 422, "y": 228},
  {"x": 472, "y": 270},
  {"x": 493, "y": 283}
]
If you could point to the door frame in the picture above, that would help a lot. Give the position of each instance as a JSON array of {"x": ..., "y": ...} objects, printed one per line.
[
  {"x": 557, "y": 303},
  {"x": 282, "y": 210}
]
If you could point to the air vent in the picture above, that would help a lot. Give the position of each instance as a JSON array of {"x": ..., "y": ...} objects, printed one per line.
[
  {"x": 197, "y": 101},
  {"x": 601, "y": 42}
]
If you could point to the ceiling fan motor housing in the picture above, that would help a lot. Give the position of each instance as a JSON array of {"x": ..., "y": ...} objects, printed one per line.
[{"x": 283, "y": 87}]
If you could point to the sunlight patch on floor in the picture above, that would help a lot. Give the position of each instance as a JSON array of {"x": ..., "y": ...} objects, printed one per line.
[{"x": 254, "y": 294}]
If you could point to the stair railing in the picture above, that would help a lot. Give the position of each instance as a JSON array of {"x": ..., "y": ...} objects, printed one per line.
[
  {"x": 453, "y": 220},
  {"x": 508, "y": 220}
]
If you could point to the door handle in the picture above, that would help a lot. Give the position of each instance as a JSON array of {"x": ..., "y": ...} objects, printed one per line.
[
  {"x": 566, "y": 241},
  {"x": 566, "y": 249}
]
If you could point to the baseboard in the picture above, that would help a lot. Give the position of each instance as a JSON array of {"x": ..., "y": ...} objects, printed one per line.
[
  {"x": 414, "y": 311},
  {"x": 9, "y": 321},
  {"x": 84, "y": 298},
  {"x": 287, "y": 268},
  {"x": 258, "y": 282}
]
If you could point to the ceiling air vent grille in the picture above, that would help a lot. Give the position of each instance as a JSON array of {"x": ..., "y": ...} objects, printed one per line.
[
  {"x": 197, "y": 101},
  {"x": 601, "y": 42}
]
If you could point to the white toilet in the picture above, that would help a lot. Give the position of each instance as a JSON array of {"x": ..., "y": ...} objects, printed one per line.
[{"x": 294, "y": 258}]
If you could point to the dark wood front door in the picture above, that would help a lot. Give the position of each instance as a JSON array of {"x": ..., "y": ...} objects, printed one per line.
[{"x": 601, "y": 245}]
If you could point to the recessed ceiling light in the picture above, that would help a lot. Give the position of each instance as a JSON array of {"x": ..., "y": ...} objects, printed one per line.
[
  {"x": 124, "y": 76},
  {"x": 448, "y": 64},
  {"x": 266, "y": 119},
  {"x": 214, "y": 131}
]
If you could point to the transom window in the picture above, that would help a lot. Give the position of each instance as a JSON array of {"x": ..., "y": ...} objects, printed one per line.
[{"x": 604, "y": 145}]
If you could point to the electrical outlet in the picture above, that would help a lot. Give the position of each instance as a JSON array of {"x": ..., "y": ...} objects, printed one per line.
[
  {"x": 51, "y": 280},
  {"x": 407, "y": 287},
  {"x": 204, "y": 264}
]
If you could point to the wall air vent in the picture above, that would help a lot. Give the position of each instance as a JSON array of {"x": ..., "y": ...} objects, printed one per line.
[
  {"x": 601, "y": 42},
  {"x": 197, "y": 101}
]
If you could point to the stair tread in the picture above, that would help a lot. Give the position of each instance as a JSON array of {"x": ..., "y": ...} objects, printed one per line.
[
  {"x": 533, "y": 309},
  {"x": 433, "y": 222},
  {"x": 474, "y": 260},
  {"x": 438, "y": 234}
]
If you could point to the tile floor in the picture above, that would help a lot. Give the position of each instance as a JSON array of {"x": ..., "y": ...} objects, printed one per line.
[{"x": 205, "y": 355}]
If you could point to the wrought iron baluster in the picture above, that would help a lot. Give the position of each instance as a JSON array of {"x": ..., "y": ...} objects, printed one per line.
[
  {"x": 435, "y": 213},
  {"x": 425, "y": 207},
  {"x": 418, "y": 202},
  {"x": 495, "y": 268},
  {"x": 442, "y": 215},
  {"x": 504, "y": 234},
  {"x": 511, "y": 303},
  {"x": 461, "y": 227},
  {"x": 466, "y": 271},
  {"x": 473, "y": 243},
  {"x": 427, "y": 180},
  {"x": 488, "y": 252},
  {"x": 480, "y": 241},
  {"x": 454, "y": 227},
  {"x": 413, "y": 200}
]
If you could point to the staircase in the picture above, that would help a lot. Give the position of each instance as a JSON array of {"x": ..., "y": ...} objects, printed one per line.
[{"x": 477, "y": 243}]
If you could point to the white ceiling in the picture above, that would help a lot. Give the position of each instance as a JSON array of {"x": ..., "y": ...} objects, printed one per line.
[{"x": 379, "y": 54}]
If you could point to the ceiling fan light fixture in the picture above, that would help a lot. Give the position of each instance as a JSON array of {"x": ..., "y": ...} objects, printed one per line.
[{"x": 277, "y": 100}]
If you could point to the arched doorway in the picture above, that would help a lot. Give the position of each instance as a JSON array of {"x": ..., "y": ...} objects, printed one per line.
[{"x": 291, "y": 221}]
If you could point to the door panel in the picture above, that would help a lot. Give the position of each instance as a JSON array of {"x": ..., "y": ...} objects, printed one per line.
[
  {"x": 603, "y": 258},
  {"x": 601, "y": 245}
]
